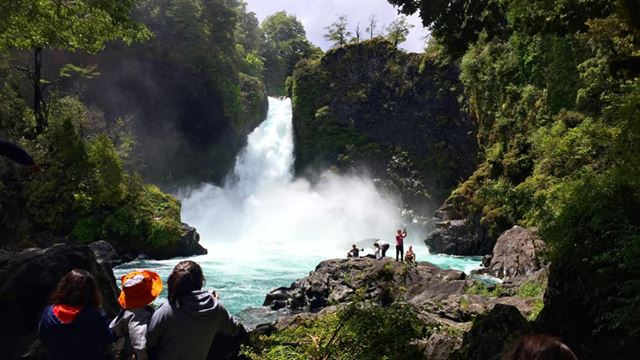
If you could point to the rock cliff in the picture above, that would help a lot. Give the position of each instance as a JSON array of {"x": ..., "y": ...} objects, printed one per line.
[{"x": 397, "y": 114}]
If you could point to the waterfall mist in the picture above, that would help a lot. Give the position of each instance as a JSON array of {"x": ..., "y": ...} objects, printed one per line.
[{"x": 262, "y": 210}]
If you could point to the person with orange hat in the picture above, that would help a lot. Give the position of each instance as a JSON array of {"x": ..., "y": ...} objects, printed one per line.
[{"x": 139, "y": 289}]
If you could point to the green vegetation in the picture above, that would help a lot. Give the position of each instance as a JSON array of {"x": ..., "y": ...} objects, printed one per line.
[
  {"x": 285, "y": 45},
  {"x": 554, "y": 89},
  {"x": 370, "y": 104},
  {"x": 532, "y": 288},
  {"x": 479, "y": 288},
  {"x": 79, "y": 25},
  {"x": 356, "y": 331}
]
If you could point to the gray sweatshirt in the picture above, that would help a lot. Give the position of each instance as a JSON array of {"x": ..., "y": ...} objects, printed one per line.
[
  {"x": 133, "y": 323},
  {"x": 185, "y": 330}
]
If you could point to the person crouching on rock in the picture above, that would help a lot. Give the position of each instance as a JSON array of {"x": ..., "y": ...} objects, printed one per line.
[
  {"x": 354, "y": 252},
  {"x": 139, "y": 289},
  {"x": 410, "y": 256},
  {"x": 185, "y": 325},
  {"x": 381, "y": 248},
  {"x": 73, "y": 326},
  {"x": 400, "y": 235}
]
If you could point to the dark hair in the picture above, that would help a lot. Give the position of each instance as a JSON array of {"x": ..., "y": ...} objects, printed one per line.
[
  {"x": 376, "y": 244},
  {"x": 539, "y": 347},
  {"x": 186, "y": 277},
  {"x": 77, "y": 288}
]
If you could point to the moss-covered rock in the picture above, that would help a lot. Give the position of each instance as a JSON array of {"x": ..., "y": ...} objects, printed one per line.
[{"x": 370, "y": 104}]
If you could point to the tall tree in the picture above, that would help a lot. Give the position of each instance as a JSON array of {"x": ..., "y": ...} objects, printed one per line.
[
  {"x": 372, "y": 27},
  {"x": 337, "y": 32},
  {"x": 398, "y": 30},
  {"x": 285, "y": 44},
  {"x": 64, "y": 25}
]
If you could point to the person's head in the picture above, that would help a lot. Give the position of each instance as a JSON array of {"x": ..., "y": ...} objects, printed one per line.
[
  {"x": 353, "y": 246},
  {"x": 539, "y": 347},
  {"x": 77, "y": 288},
  {"x": 399, "y": 232},
  {"x": 410, "y": 247},
  {"x": 186, "y": 277},
  {"x": 376, "y": 245}
]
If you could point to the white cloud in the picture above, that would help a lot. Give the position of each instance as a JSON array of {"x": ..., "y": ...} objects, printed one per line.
[{"x": 316, "y": 14}]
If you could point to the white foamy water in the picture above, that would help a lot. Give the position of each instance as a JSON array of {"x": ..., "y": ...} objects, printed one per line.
[{"x": 264, "y": 228}]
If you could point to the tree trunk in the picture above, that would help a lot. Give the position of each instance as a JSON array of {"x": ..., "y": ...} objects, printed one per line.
[{"x": 41, "y": 121}]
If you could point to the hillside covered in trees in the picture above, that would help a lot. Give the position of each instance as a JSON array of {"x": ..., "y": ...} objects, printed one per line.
[
  {"x": 109, "y": 96},
  {"x": 552, "y": 91}
]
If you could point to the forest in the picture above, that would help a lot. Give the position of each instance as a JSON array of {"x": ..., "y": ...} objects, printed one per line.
[{"x": 517, "y": 113}]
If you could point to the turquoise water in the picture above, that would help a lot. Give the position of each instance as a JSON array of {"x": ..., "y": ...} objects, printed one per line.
[
  {"x": 264, "y": 228},
  {"x": 243, "y": 283}
]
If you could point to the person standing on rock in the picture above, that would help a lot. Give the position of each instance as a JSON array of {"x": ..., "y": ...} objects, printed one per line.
[
  {"x": 185, "y": 325},
  {"x": 400, "y": 235},
  {"x": 73, "y": 326}
]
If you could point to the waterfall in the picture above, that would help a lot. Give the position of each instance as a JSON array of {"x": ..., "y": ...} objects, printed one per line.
[{"x": 262, "y": 210}]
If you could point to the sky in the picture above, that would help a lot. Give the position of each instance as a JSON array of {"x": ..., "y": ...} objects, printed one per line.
[{"x": 316, "y": 14}]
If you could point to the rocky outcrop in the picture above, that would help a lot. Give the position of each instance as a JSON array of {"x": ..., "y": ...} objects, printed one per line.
[
  {"x": 189, "y": 243},
  {"x": 27, "y": 278},
  {"x": 105, "y": 253},
  {"x": 440, "y": 297},
  {"x": 517, "y": 253},
  {"x": 457, "y": 235}
]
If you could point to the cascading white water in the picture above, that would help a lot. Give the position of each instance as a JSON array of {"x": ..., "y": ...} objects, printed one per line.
[
  {"x": 262, "y": 211},
  {"x": 264, "y": 228}
]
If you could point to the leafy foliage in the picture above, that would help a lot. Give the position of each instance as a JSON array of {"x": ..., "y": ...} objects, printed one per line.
[
  {"x": 356, "y": 331},
  {"x": 285, "y": 45}
]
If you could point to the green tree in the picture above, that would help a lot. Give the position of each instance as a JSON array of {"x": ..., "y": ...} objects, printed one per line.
[
  {"x": 337, "y": 32},
  {"x": 63, "y": 25},
  {"x": 458, "y": 23},
  {"x": 285, "y": 44},
  {"x": 398, "y": 30}
]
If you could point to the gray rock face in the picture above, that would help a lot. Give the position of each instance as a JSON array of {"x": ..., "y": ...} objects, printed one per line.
[
  {"x": 105, "y": 253},
  {"x": 335, "y": 281},
  {"x": 459, "y": 237},
  {"x": 516, "y": 254},
  {"x": 456, "y": 235},
  {"x": 27, "y": 278}
]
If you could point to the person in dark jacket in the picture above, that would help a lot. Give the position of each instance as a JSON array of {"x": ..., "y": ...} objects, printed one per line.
[
  {"x": 73, "y": 327},
  {"x": 17, "y": 154},
  {"x": 184, "y": 326}
]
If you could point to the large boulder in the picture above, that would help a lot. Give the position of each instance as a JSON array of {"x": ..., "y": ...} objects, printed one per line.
[
  {"x": 27, "y": 279},
  {"x": 335, "y": 281},
  {"x": 459, "y": 237},
  {"x": 491, "y": 333},
  {"x": 105, "y": 253},
  {"x": 517, "y": 253},
  {"x": 189, "y": 244}
]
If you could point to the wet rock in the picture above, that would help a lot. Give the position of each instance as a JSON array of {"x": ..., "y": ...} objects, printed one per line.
[
  {"x": 517, "y": 253},
  {"x": 105, "y": 253},
  {"x": 28, "y": 277},
  {"x": 189, "y": 244},
  {"x": 458, "y": 236}
]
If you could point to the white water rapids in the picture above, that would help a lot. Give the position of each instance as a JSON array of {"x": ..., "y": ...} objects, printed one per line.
[{"x": 264, "y": 228}]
